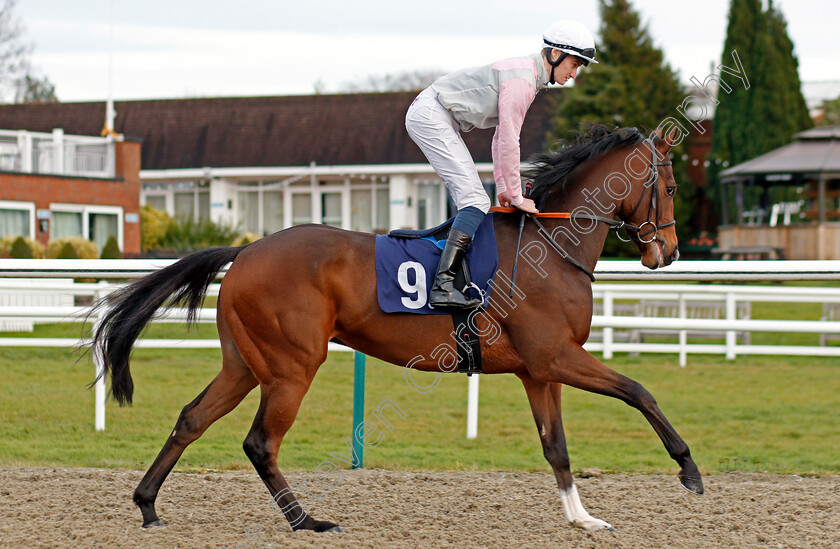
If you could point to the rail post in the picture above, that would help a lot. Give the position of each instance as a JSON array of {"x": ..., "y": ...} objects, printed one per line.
[
  {"x": 683, "y": 333},
  {"x": 730, "y": 334},
  {"x": 608, "y": 331},
  {"x": 358, "y": 409}
]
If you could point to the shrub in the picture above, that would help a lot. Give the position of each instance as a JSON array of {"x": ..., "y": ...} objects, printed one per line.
[
  {"x": 7, "y": 242},
  {"x": 189, "y": 235},
  {"x": 68, "y": 251},
  {"x": 21, "y": 250},
  {"x": 83, "y": 249},
  {"x": 153, "y": 226},
  {"x": 246, "y": 238},
  {"x": 111, "y": 250}
]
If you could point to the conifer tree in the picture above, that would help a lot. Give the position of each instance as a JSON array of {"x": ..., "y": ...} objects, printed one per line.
[
  {"x": 631, "y": 86},
  {"x": 732, "y": 139},
  {"x": 751, "y": 122}
]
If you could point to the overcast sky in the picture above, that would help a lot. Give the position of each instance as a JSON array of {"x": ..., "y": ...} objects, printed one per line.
[{"x": 197, "y": 48}]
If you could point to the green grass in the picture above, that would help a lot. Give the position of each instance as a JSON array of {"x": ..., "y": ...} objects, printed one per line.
[{"x": 774, "y": 414}]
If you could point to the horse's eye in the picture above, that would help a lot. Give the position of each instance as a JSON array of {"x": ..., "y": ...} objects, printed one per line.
[{"x": 671, "y": 191}]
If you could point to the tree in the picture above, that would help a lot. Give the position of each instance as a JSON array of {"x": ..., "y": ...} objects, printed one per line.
[
  {"x": 751, "y": 122},
  {"x": 632, "y": 85},
  {"x": 14, "y": 50},
  {"x": 830, "y": 112},
  {"x": 402, "y": 81},
  {"x": 18, "y": 80},
  {"x": 32, "y": 89},
  {"x": 732, "y": 139}
]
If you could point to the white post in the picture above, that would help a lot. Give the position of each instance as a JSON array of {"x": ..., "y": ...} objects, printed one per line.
[
  {"x": 315, "y": 192},
  {"x": 25, "y": 149},
  {"x": 683, "y": 334},
  {"x": 58, "y": 150},
  {"x": 608, "y": 331},
  {"x": 472, "y": 407},
  {"x": 111, "y": 167},
  {"x": 730, "y": 335},
  {"x": 99, "y": 362}
]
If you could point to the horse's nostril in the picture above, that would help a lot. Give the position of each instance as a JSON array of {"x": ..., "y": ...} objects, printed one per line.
[{"x": 675, "y": 255}]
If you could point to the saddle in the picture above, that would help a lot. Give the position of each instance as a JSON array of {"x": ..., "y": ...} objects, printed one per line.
[
  {"x": 437, "y": 233},
  {"x": 468, "y": 343}
]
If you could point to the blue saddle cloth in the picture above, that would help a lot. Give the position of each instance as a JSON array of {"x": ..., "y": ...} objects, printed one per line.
[{"x": 406, "y": 264}]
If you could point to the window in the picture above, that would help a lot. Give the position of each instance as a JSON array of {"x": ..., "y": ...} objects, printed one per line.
[
  {"x": 301, "y": 208},
  {"x": 361, "y": 210},
  {"x": 383, "y": 210},
  {"x": 185, "y": 205},
  {"x": 331, "y": 209},
  {"x": 102, "y": 227},
  {"x": 249, "y": 211},
  {"x": 272, "y": 211},
  {"x": 156, "y": 202},
  {"x": 66, "y": 224},
  {"x": 94, "y": 223},
  {"x": 428, "y": 206},
  {"x": 17, "y": 218}
]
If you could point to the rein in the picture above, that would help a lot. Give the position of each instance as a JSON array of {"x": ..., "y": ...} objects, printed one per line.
[{"x": 652, "y": 182}]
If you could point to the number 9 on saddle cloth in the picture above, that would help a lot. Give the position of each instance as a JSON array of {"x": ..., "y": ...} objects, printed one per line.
[{"x": 406, "y": 263}]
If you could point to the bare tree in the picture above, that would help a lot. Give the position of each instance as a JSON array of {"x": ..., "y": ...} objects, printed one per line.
[
  {"x": 401, "y": 81},
  {"x": 33, "y": 89},
  {"x": 14, "y": 50},
  {"x": 18, "y": 80}
]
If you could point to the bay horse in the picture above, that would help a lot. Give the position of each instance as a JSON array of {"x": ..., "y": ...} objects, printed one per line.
[{"x": 287, "y": 295}]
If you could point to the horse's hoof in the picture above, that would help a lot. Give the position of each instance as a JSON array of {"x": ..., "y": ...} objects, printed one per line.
[
  {"x": 591, "y": 524},
  {"x": 337, "y": 529},
  {"x": 157, "y": 522},
  {"x": 693, "y": 484}
]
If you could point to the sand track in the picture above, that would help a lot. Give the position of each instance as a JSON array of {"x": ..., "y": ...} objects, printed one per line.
[{"x": 55, "y": 507}]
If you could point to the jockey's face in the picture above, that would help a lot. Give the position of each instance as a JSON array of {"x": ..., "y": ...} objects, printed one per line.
[{"x": 567, "y": 69}]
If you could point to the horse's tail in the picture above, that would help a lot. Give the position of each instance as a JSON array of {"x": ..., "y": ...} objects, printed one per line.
[{"x": 124, "y": 313}]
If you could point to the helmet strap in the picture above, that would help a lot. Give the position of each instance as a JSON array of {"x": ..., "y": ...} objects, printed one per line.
[{"x": 554, "y": 64}]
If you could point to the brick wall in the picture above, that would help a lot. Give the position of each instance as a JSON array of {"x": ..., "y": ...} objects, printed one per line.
[{"x": 124, "y": 191}]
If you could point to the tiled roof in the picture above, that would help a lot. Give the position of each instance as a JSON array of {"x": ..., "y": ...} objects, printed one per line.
[{"x": 347, "y": 129}]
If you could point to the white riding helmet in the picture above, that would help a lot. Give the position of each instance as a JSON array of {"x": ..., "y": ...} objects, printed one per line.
[{"x": 572, "y": 38}]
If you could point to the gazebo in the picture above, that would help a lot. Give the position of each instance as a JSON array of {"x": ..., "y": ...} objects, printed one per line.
[{"x": 787, "y": 200}]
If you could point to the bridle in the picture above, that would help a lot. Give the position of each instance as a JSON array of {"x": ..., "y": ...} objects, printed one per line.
[
  {"x": 640, "y": 230},
  {"x": 651, "y": 183}
]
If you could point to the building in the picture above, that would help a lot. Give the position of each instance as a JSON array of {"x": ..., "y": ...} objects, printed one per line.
[
  {"x": 261, "y": 164},
  {"x": 788, "y": 198},
  {"x": 54, "y": 185}
]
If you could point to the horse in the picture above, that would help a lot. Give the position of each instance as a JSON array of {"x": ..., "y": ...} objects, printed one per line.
[{"x": 286, "y": 296}]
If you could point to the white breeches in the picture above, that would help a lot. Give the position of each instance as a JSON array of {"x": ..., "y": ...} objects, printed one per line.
[{"x": 438, "y": 135}]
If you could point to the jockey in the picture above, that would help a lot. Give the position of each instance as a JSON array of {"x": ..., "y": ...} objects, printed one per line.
[{"x": 496, "y": 95}]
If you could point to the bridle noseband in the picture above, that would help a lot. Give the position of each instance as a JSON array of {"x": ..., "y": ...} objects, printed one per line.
[{"x": 640, "y": 230}]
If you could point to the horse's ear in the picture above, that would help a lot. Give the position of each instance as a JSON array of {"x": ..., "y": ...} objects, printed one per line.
[{"x": 665, "y": 137}]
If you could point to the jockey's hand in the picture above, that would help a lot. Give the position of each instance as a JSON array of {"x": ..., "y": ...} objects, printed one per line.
[
  {"x": 528, "y": 205},
  {"x": 504, "y": 199}
]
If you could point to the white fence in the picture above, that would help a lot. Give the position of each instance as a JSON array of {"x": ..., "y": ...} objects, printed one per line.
[{"x": 682, "y": 295}]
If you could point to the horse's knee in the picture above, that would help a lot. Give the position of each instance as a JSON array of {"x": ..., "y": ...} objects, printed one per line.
[
  {"x": 188, "y": 428},
  {"x": 639, "y": 397},
  {"x": 256, "y": 449}
]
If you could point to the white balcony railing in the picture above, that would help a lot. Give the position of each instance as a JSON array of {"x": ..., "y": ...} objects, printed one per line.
[{"x": 56, "y": 154}]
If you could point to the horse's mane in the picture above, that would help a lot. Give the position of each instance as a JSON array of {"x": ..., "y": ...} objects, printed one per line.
[{"x": 551, "y": 170}]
